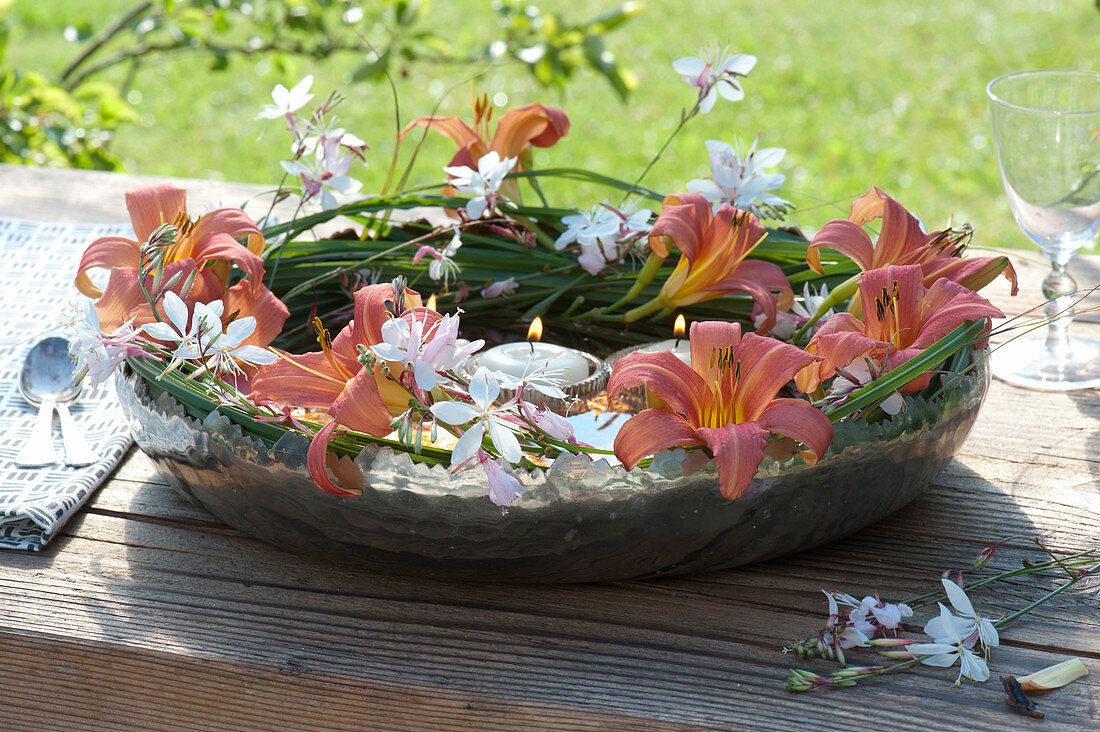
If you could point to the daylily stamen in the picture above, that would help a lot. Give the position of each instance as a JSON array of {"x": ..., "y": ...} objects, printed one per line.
[{"x": 325, "y": 341}]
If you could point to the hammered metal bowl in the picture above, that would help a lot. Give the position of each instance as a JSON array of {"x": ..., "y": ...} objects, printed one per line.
[{"x": 578, "y": 521}]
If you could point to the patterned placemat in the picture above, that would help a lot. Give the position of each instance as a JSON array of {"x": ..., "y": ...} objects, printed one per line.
[{"x": 37, "y": 264}]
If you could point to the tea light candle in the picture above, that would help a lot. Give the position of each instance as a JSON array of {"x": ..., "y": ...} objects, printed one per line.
[
  {"x": 679, "y": 348},
  {"x": 521, "y": 359}
]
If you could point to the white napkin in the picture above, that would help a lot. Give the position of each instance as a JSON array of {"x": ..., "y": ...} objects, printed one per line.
[{"x": 38, "y": 262}]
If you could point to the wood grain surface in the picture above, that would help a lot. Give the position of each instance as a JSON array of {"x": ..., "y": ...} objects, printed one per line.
[{"x": 147, "y": 613}]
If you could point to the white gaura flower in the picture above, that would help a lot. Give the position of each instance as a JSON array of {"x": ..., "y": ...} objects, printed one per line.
[
  {"x": 605, "y": 234},
  {"x": 287, "y": 101},
  {"x": 92, "y": 350},
  {"x": 542, "y": 378},
  {"x": 324, "y": 173},
  {"x": 480, "y": 416},
  {"x": 223, "y": 352},
  {"x": 188, "y": 336},
  {"x": 715, "y": 72},
  {"x": 483, "y": 184},
  {"x": 445, "y": 266},
  {"x": 971, "y": 620},
  {"x": 951, "y": 644},
  {"x": 811, "y": 301},
  {"x": 738, "y": 178}
]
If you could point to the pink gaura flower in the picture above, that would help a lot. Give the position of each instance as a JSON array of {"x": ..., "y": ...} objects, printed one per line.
[
  {"x": 901, "y": 317},
  {"x": 724, "y": 401}
]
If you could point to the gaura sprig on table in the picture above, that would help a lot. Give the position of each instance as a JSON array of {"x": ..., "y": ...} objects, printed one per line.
[
  {"x": 787, "y": 336},
  {"x": 960, "y": 634}
]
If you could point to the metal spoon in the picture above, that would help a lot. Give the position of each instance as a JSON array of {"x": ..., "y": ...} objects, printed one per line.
[{"x": 47, "y": 380}]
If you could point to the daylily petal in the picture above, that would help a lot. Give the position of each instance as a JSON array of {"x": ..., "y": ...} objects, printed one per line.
[
  {"x": 738, "y": 450},
  {"x": 153, "y": 206},
  {"x": 308, "y": 381},
  {"x": 651, "y": 431},
  {"x": 844, "y": 237},
  {"x": 799, "y": 421},
  {"x": 107, "y": 252},
  {"x": 316, "y": 458},
  {"x": 665, "y": 376}
]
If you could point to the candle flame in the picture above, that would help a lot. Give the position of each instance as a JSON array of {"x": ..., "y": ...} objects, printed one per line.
[
  {"x": 680, "y": 327},
  {"x": 431, "y": 302},
  {"x": 534, "y": 333}
]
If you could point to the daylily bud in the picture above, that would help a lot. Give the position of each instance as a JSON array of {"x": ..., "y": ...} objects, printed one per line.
[{"x": 890, "y": 642}]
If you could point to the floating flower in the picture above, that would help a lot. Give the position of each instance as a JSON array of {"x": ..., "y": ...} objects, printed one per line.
[
  {"x": 739, "y": 178},
  {"x": 715, "y": 72},
  {"x": 713, "y": 246},
  {"x": 901, "y": 318},
  {"x": 902, "y": 241},
  {"x": 483, "y": 183},
  {"x": 725, "y": 401},
  {"x": 364, "y": 400}
]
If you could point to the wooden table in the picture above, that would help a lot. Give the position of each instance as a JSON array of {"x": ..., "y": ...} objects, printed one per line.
[{"x": 147, "y": 613}]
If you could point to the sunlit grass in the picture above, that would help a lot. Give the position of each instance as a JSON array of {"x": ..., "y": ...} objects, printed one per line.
[{"x": 889, "y": 93}]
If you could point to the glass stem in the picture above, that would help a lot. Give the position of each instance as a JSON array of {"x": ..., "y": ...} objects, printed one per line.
[{"x": 1058, "y": 290}]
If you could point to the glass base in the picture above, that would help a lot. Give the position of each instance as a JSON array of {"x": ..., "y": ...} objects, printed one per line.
[{"x": 1029, "y": 363}]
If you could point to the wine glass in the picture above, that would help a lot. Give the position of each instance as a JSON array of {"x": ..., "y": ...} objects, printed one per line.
[{"x": 1046, "y": 131}]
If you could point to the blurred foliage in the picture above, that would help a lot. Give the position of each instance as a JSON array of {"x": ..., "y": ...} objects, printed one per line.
[
  {"x": 71, "y": 120},
  {"x": 43, "y": 123},
  {"x": 388, "y": 34}
]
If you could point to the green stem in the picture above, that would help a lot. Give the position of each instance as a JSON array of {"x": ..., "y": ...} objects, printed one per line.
[
  {"x": 842, "y": 292},
  {"x": 1005, "y": 621},
  {"x": 643, "y": 310},
  {"x": 645, "y": 276}
]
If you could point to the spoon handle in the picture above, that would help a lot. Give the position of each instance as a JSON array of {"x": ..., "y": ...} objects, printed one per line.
[
  {"x": 38, "y": 450},
  {"x": 77, "y": 451}
]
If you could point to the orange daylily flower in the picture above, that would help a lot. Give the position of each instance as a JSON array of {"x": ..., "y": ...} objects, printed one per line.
[
  {"x": 725, "y": 401},
  {"x": 205, "y": 250},
  {"x": 713, "y": 247},
  {"x": 516, "y": 132},
  {"x": 900, "y": 319},
  {"x": 334, "y": 379},
  {"x": 901, "y": 242}
]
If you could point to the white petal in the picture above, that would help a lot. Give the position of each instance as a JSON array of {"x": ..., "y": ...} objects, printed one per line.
[
  {"x": 941, "y": 661},
  {"x": 426, "y": 377},
  {"x": 958, "y": 598},
  {"x": 475, "y": 207},
  {"x": 176, "y": 311},
  {"x": 974, "y": 667},
  {"x": 455, "y": 413},
  {"x": 505, "y": 441},
  {"x": 161, "y": 331},
  {"x": 730, "y": 90},
  {"x": 708, "y": 101},
  {"x": 468, "y": 444},
  {"x": 689, "y": 66},
  {"x": 484, "y": 388},
  {"x": 388, "y": 352},
  {"x": 255, "y": 354},
  {"x": 740, "y": 64},
  {"x": 237, "y": 331},
  {"x": 988, "y": 633}
]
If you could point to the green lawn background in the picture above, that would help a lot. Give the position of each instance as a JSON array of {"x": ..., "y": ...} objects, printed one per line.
[{"x": 888, "y": 93}]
